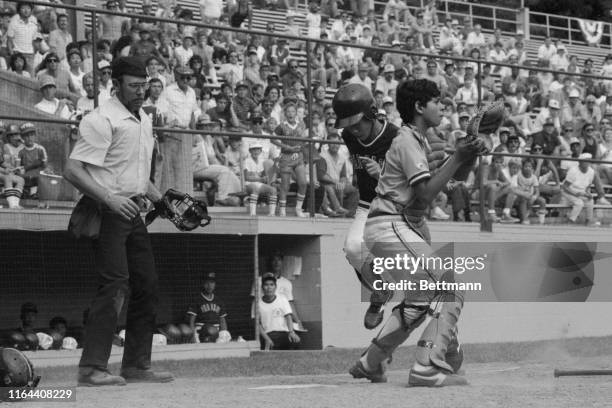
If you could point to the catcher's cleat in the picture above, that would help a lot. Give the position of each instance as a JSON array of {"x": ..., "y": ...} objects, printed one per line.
[
  {"x": 358, "y": 371},
  {"x": 375, "y": 313},
  {"x": 434, "y": 377}
]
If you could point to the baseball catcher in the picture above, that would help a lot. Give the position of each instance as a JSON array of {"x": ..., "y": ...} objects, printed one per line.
[
  {"x": 396, "y": 226},
  {"x": 184, "y": 211},
  {"x": 16, "y": 371}
]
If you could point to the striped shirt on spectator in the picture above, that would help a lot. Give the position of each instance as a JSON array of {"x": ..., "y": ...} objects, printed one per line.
[{"x": 22, "y": 32}]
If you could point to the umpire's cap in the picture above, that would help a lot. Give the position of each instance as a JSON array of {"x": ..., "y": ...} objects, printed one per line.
[
  {"x": 210, "y": 276},
  {"x": 350, "y": 103},
  {"x": 134, "y": 66}
]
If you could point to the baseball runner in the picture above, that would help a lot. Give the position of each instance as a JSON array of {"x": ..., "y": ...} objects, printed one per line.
[
  {"x": 396, "y": 226},
  {"x": 110, "y": 165},
  {"x": 367, "y": 139}
]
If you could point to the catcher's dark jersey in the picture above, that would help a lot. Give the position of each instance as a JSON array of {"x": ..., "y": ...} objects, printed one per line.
[
  {"x": 206, "y": 311},
  {"x": 375, "y": 150}
]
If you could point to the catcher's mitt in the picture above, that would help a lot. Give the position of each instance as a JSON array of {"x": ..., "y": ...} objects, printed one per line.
[
  {"x": 184, "y": 211},
  {"x": 488, "y": 120}
]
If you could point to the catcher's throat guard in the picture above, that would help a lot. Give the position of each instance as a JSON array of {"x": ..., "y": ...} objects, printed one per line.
[{"x": 185, "y": 212}]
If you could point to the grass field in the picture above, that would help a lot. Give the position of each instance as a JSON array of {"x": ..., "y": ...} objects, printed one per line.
[{"x": 500, "y": 375}]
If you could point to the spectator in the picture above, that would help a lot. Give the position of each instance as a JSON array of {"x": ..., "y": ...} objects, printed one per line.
[
  {"x": 257, "y": 172},
  {"x": 274, "y": 318},
  {"x": 341, "y": 194},
  {"x": 51, "y": 68},
  {"x": 210, "y": 10},
  {"x": 605, "y": 170},
  {"x": 547, "y": 50},
  {"x": 207, "y": 315},
  {"x": 424, "y": 31},
  {"x": 50, "y": 104},
  {"x": 5, "y": 18},
  {"x": 85, "y": 103},
  {"x": 548, "y": 177},
  {"x": 232, "y": 71},
  {"x": 224, "y": 110},
  {"x": 475, "y": 39},
  {"x": 387, "y": 83},
  {"x": 550, "y": 115},
  {"x": 76, "y": 73},
  {"x": 468, "y": 93},
  {"x": 205, "y": 168},
  {"x": 592, "y": 112},
  {"x": 233, "y": 155},
  {"x": 243, "y": 104},
  {"x": 184, "y": 53},
  {"x": 19, "y": 65},
  {"x": 291, "y": 160},
  {"x": 21, "y": 33},
  {"x": 60, "y": 37},
  {"x": 111, "y": 27},
  {"x": 292, "y": 76},
  {"x": 391, "y": 112},
  {"x": 33, "y": 158},
  {"x": 449, "y": 38},
  {"x": 559, "y": 61},
  {"x": 433, "y": 74},
  {"x": 362, "y": 76},
  {"x": 575, "y": 191},
  {"x": 527, "y": 193},
  {"x": 11, "y": 169}
]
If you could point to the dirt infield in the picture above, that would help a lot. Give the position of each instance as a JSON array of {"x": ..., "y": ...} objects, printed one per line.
[{"x": 512, "y": 384}]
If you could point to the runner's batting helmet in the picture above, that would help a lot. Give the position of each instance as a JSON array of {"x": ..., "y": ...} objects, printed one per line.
[{"x": 351, "y": 103}]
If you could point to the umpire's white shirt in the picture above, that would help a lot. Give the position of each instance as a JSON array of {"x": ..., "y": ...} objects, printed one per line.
[{"x": 118, "y": 148}]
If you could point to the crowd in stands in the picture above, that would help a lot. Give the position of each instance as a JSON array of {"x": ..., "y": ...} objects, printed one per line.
[{"x": 213, "y": 79}]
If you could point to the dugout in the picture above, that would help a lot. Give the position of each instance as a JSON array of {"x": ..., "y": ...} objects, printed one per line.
[{"x": 56, "y": 272}]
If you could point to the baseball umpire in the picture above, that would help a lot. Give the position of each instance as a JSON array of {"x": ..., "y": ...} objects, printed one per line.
[{"x": 110, "y": 165}]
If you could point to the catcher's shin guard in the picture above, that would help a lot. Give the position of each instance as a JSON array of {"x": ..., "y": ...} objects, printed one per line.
[
  {"x": 435, "y": 340},
  {"x": 403, "y": 320},
  {"x": 454, "y": 353}
]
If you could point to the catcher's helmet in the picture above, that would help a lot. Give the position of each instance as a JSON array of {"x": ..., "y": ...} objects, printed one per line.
[
  {"x": 351, "y": 103},
  {"x": 15, "y": 370}
]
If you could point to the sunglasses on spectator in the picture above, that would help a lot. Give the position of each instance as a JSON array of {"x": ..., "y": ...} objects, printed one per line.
[
  {"x": 186, "y": 77},
  {"x": 52, "y": 60},
  {"x": 330, "y": 124},
  {"x": 107, "y": 72},
  {"x": 589, "y": 130},
  {"x": 293, "y": 66},
  {"x": 568, "y": 130},
  {"x": 537, "y": 149},
  {"x": 140, "y": 85},
  {"x": 258, "y": 121}
]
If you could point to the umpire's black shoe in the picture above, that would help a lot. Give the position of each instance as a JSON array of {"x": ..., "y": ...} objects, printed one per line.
[
  {"x": 98, "y": 378},
  {"x": 132, "y": 375}
]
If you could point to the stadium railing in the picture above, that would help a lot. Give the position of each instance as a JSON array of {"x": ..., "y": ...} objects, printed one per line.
[
  {"x": 564, "y": 28},
  {"x": 485, "y": 224}
]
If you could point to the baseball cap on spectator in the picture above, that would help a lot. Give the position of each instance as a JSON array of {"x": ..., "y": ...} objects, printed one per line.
[
  {"x": 554, "y": 104},
  {"x": 255, "y": 145},
  {"x": 389, "y": 68},
  {"x": 252, "y": 50},
  {"x": 591, "y": 98},
  {"x": 561, "y": 47},
  {"x": 382, "y": 112},
  {"x": 585, "y": 156},
  {"x": 504, "y": 129},
  {"x": 26, "y": 128},
  {"x": 520, "y": 32},
  {"x": 512, "y": 136},
  {"x": 241, "y": 84},
  {"x": 47, "y": 81},
  {"x": 183, "y": 71},
  {"x": 363, "y": 67},
  {"x": 387, "y": 99},
  {"x": 133, "y": 66},
  {"x": 574, "y": 93},
  {"x": 72, "y": 52},
  {"x": 103, "y": 64},
  {"x": 210, "y": 276},
  {"x": 573, "y": 140},
  {"x": 549, "y": 122},
  {"x": 12, "y": 130},
  {"x": 464, "y": 115},
  {"x": 396, "y": 42}
]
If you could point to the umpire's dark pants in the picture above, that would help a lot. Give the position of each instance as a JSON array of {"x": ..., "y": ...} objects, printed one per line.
[{"x": 126, "y": 270}]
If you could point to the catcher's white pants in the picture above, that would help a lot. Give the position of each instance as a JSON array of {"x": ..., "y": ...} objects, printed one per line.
[{"x": 354, "y": 247}]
